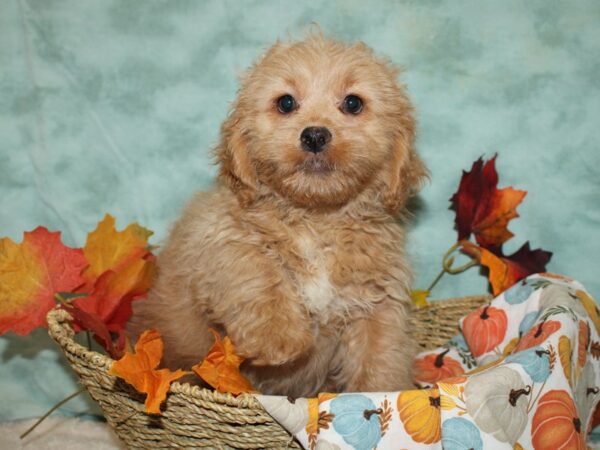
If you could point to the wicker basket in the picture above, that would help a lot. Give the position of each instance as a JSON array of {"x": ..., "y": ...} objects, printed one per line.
[{"x": 196, "y": 417}]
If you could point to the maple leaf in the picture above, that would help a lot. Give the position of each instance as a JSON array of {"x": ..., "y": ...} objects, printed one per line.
[
  {"x": 504, "y": 271},
  {"x": 31, "y": 273},
  {"x": 113, "y": 292},
  {"x": 483, "y": 209},
  {"x": 419, "y": 297},
  {"x": 121, "y": 270},
  {"x": 139, "y": 370},
  {"x": 108, "y": 249},
  {"x": 220, "y": 367},
  {"x": 102, "y": 335}
]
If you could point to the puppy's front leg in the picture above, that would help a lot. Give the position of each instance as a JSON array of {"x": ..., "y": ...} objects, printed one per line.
[
  {"x": 379, "y": 351},
  {"x": 261, "y": 311}
]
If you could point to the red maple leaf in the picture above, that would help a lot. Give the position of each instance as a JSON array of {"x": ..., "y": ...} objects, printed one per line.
[
  {"x": 113, "y": 292},
  {"x": 92, "y": 322},
  {"x": 121, "y": 269},
  {"x": 31, "y": 273},
  {"x": 481, "y": 208}
]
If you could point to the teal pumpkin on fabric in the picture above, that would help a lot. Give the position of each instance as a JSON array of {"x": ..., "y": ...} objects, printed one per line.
[
  {"x": 535, "y": 361},
  {"x": 527, "y": 322},
  {"x": 519, "y": 292},
  {"x": 356, "y": 420},
  {"x": 460, "y": 434}
]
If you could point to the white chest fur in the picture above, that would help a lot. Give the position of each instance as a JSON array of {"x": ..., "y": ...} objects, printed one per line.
[{"x": 315, "y": 284}]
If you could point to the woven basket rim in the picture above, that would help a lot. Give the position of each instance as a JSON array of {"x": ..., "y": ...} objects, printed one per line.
[
  {"x": 452, "y": 302},
  {"x": 61, "y": 330}
]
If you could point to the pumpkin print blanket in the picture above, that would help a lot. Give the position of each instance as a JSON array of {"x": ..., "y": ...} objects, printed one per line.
[{"x": 523, "y": 373}]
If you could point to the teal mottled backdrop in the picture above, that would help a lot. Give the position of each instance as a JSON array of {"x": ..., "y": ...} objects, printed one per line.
[{"x": 113, "y": 106}]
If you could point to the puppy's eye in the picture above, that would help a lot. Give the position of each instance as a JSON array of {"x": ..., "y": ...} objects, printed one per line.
[
  {"x": 352, "y": 104},
  {"x": 286, "y": 104}
]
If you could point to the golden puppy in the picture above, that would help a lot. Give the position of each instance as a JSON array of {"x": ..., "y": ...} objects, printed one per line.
[{"x": 297, "y": 254}]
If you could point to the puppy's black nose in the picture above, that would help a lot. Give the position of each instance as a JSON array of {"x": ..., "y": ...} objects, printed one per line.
[{"x": 315, "y": 139}]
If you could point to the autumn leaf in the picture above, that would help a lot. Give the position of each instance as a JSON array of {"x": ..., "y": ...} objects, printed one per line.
[
  {"x": 108, "y": 249},
  {"x": 483, "y": 209},
  {"x": 220, "y": 367},
  {"x": 94, "y": 324},
  {"x": 419, "y": 297},
  {"x": 504, "y": 271},
  {"x": 31, "y": 273},
  {"x": 121, "y": 269},
  {"x": 113, "y": 292},
  {"x": 139, "y": 370}
]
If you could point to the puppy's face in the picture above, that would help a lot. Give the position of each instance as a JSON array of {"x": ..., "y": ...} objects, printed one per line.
[{"x": 317, "y": 122}]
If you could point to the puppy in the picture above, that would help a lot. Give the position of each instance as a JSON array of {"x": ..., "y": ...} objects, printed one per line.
[{"x": 297, "y": 254}]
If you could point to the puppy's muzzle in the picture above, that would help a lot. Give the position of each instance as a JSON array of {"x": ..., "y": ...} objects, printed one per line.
[{"x": 315, "y": 139}]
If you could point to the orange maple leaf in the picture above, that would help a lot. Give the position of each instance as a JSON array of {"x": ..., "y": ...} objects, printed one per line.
[
  {"x": 483, "y": 209},
  {"x": 121, "y": 270},
  {"x": 140, "y": 371},
  {"x": 31, "y": 273},
  {"x": 113, "y": 292},
  {"x": 504, "y": 271},
  {"x": 221, "y": 367},
  {"x": 108, "y": 249},
  {"x": 491, "y": 230}
]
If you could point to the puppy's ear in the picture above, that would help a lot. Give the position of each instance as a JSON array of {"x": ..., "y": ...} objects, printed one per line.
[
  {"x": 236, "y": 170},
  {"x": 407, "y": 172}
]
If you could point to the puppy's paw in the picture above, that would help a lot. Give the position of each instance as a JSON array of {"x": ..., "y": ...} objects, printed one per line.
[{"x": 274, "y": 346}]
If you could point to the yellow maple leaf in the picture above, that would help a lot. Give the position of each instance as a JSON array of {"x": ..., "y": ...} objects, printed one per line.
[
  {"x": 419, "y": 297},
  {"x": 109, "y": 249},
  {"x": 20, "y": 272}
]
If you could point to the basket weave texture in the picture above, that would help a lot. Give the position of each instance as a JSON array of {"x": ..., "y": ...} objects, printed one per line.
[{"x": 194, "y": 417}]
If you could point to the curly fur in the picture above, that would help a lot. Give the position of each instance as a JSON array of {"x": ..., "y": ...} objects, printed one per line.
[{"x": 304, "y": 270}]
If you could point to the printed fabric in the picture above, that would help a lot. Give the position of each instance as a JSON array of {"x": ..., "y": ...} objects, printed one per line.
[{"x": 522, "y": 373}]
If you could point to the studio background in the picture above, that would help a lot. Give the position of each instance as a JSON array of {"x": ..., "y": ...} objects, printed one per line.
[{"x": 113, "y": 106}]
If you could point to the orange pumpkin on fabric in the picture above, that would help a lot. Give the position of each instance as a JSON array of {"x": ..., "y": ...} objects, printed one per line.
[
  {"x": 538, "y": 334},
  {"x": 420, "y": 414},
  {"x": 484, "y": 329},
  {"x": 556, "y": 423},
  {"x": 432, "y": 368}
]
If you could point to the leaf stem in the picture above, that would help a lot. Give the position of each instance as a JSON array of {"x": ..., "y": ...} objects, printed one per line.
[
  {"x": 51, "y": 410},
  {"x": 460, "y": 269},
  {"x": 89, "y": 339},
  {"x": 60, "y": 299},
  {"x": 437, "y": 278},
  {"x": 451, "y": 250},
  {"x": 447, "y": 262}
]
